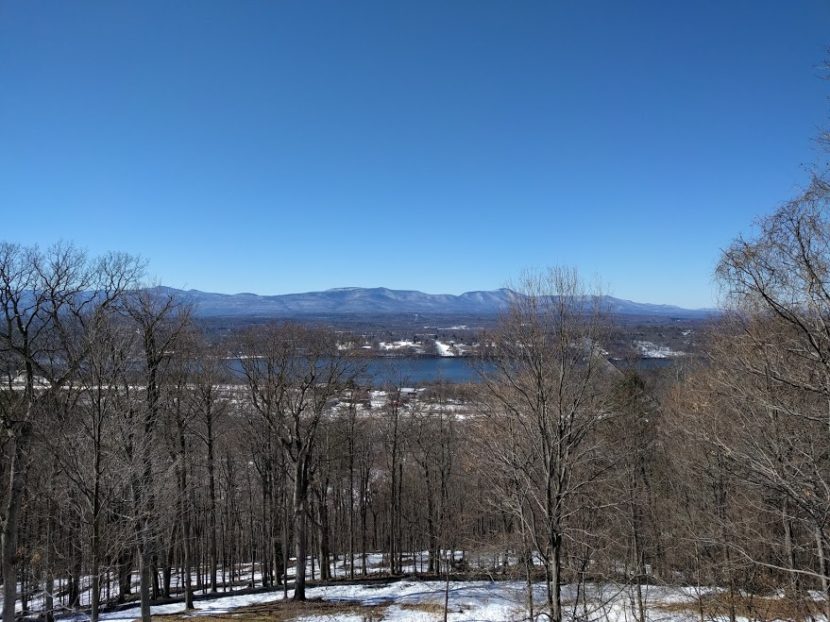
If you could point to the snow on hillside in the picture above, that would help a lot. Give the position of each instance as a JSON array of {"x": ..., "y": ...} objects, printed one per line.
[
  {"x": 404, "y": 344},
  {"x": 409, "y": 599},
  {"x": 651, "y": 350},
  {"x": 444, "y": 349}
]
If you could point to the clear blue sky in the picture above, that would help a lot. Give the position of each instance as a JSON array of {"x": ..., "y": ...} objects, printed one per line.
[{"x": 275, "y": 146}]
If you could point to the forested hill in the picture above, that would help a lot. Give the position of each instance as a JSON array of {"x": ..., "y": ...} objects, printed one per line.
[{"x": 354, "y": 300}]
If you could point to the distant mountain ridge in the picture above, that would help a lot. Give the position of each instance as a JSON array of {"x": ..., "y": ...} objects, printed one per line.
[{"x": 361, "y": 300}]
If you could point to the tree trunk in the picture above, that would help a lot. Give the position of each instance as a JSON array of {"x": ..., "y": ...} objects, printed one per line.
[
  {"x": 50, "y": 577},
  {"x": 185, "y": 518},
  {"x": 144, "y": 580},
  {"x": 284, "y": 532},
  {"x": 212, "y": 493},
  {"x": 324, "y": 545},
  {"x": 95, "y": 597},
  {"x": 125, "y": 563},
  {"x": 300, "y": 536},
  {"x": 555, "y": 574},
  {"x": 351, "y": 492},
  {"x": 17, "y": 484},
  {"x": 824, "y": 570}
]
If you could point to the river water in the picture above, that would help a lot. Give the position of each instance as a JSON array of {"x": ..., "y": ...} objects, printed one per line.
[{"x": 413, "y": 371}]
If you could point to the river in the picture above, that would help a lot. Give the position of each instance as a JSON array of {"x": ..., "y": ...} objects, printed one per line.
[{"x": 421, "y": 370}]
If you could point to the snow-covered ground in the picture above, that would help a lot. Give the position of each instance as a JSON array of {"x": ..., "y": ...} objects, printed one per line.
[
  {"x": 404, "y": 344},
  {"x": 376, "y": 563},
  {"x": 413, "y": 599},
  {"x": 416, "y": 600},
  {"x": 424, "y": 600}
]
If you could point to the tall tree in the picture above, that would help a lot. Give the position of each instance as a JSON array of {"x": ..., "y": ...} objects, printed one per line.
[
  {"x": 46, "y": 300},
  {"x": 160, "y": 321},
  {"x": 293, "y": 372},
  {"x": 546, "y": 389}
]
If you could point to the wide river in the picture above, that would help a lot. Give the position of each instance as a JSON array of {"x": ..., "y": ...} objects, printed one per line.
[
  {"x": 420, "y": 370},
  {"x": 403, "y": 371},
  {"x": 414, "y": 371}
]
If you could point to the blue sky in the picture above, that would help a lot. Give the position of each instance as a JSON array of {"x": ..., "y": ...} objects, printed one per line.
[{"x": 275, "y": 146}]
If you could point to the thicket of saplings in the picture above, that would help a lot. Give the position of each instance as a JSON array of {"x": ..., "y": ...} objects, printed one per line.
[{"x": 141, "y": 462}]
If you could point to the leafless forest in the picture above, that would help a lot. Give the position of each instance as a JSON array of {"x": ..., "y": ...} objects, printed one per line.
[{"x": 142, "y": 461}]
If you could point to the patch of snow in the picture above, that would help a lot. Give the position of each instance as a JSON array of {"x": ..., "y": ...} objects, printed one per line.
[
  {"x": 444, "y": 349},
  {"x": 651, "y": 350},
  {"x": 397, "y": 345}
]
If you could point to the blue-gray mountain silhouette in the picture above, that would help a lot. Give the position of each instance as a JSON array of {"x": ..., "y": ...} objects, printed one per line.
[{"x": 354, "y": 300}]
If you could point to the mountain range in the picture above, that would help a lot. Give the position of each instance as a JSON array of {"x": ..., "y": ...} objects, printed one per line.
[{"x": 381, "y": 300}]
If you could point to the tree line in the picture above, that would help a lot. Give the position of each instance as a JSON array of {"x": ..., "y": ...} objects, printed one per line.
[{"x": 140, "y": 454}]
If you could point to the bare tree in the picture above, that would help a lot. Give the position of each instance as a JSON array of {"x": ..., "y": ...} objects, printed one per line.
[
  {"x": 784, "y": 273},
  {"x": 776, "y": 362},
  {"x": 160, "y": 321},
  {"x": 209, "y": 407},
  {"x": 546, "y": 390},
  {"x": 293, "y": 373},
  {"x": 94, "y": 401},
  {"x": 46, "y": 299}
]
